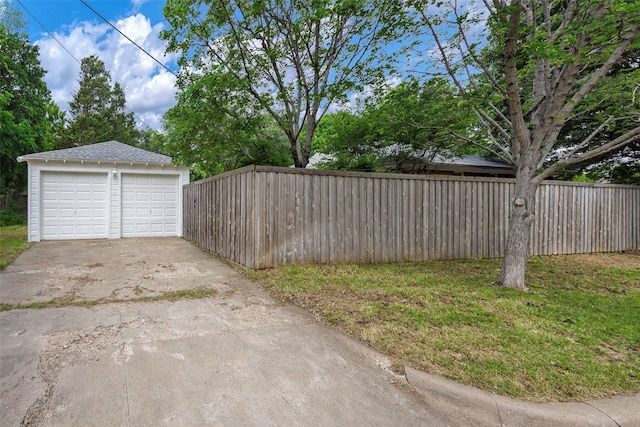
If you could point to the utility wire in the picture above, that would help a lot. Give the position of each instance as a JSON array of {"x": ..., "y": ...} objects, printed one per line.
[
  {"x": 126, "y": 37},
  {"x": 47, "y": 30},
  {"x": 80, "y": 62}
]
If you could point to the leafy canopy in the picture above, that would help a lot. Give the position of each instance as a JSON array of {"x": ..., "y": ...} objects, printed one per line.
[
  {"x": 290, "y": 59},
  {"x": 212, "y": 130},
  {"x": 412, "y": 120},
  {"x": 25, "y": 102},
  {"x": 98, "y": 109}
]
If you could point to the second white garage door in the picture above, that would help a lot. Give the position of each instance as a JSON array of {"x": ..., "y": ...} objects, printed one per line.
[{"x": 149, "y": 205}]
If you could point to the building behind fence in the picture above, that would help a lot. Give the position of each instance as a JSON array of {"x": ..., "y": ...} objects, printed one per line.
[{"x": 263, "y": 217}]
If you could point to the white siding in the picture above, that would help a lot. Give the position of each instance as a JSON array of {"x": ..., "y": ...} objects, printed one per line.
[
  {"x": 115, "y": 226},
  {"x": 37, "y": 168}
]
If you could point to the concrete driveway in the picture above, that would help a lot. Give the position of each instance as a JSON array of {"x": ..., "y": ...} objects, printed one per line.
[{"x": 234, "y": 358}]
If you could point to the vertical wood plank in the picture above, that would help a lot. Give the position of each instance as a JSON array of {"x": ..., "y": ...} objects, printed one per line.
[
  {"x": 262, "y": 218},
  {"x": 384, "y": 221}
]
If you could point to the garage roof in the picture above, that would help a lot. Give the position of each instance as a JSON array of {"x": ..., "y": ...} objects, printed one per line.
[{"x": 110, "y": 151}]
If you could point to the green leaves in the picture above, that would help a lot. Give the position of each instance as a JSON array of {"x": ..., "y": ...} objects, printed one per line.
[
  {"x": 24, "y": 103},
  {"x": 98, "y": 109},
  {"x": 293, "y": 58},
  {"x": 413, "y": 119},
  {"x": 211, "y": 129}
]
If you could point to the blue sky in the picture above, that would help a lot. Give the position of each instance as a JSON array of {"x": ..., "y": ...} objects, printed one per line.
[
  {"x": 59, "y": 14},
  {"x": 149, "y": 89}
]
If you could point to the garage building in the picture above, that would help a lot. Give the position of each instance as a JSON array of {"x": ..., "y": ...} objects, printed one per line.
[{"x": 107, "y": 190}]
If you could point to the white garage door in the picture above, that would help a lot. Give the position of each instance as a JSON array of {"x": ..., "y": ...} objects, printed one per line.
[
  {"x": 149, "y": 205},
  {"x": 74, "y": 205}
]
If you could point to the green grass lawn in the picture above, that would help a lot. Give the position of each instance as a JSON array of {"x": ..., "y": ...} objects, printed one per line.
[
  {"x": 575, "y": 335},
  {"x": 13, "y": 240}
]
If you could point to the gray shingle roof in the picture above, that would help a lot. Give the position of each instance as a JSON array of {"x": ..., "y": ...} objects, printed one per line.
[
  {"x": 110, "y": 151},
  {"x": 472, "y": 160}
]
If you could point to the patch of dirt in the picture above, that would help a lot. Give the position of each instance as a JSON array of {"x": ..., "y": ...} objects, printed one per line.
[
  {"x": 96, "y": 265},
  {"x": 130, "y": 291},
  {"x": 169, "y": 267},
  {"x": 629, "y": 259}
]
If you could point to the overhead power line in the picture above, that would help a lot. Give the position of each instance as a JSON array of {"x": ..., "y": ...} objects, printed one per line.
[
  {"x": 126, "y": 37},
  {"x": 53, "y": 36}
]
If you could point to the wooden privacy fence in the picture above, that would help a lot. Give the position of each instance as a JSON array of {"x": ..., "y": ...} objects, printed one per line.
[{"x": 263, "y": 217}]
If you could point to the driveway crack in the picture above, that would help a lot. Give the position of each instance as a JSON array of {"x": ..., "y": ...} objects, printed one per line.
[{"x": 126, "y": 380}]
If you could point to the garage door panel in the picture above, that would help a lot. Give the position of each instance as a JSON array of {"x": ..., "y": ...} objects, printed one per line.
[
  {"x": 57, "y": 178},
  {"x": 83, "y": 230},
  {"x": 83, "y": 195},
  {"x": 66, "y": 196},
  {"x": 49, "y": 195},
  {"x": 64, "y": 214},
  {"x": 89, "y": 212},
  {"x": 49, "y": 213},
  {"x": 66, "y": 231},
  {"x": 74, "y": 205},
  {"x": 48, "y": 229},
  {"x": 157, "y": 228},
  {"x": 149, "y": 205}
]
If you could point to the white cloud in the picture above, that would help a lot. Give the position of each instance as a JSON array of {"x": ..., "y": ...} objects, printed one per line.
[
  {"x": 356, "y": 100},
  {"x": 149, "y": 88},
  {"x": 151, "y": 119},
  {"x": 138, "y": 3},
  {"x": 151, "y": 93}
]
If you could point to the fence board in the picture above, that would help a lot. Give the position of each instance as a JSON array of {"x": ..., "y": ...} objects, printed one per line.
[{"x": 262, "y": 217}]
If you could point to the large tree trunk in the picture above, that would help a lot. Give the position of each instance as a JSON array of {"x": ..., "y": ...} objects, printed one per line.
[
  {"x": 301, "y": 150},
  {"x": 300, "y": 158},
  {"x": 514, "y": 263}
]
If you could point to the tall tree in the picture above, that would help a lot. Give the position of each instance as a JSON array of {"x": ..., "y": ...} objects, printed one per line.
[
  {"x": 292, "y": 58},
  {"x": 554, "y": 55},
  {"x": 25, "y": 102},
  {"x": 212, "y": 130},
  {"x": 98, "y": 109},
  {"x": 412, "y": 120}
]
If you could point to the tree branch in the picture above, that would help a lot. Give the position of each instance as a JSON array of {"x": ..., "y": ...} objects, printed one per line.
[
  {"x": 503, "y": 154},
  {"x": 476, "y": 59},
  {"x": 625, "y": 139},
  {"x": 569, "y": 12},
  {"x": 484, "y": 116},
  {"x": 520, "y": 132},
  {"x": 602, "y": 71}
]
